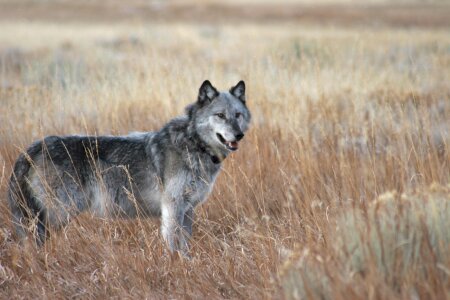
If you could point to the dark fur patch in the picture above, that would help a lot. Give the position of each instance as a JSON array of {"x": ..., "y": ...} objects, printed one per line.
[
  {"x": 206, "y": 93},
  {"x": 239, "y": 91}
]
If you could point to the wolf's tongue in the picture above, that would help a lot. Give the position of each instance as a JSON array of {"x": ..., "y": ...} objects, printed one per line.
[{"x": 233, "y": 144}]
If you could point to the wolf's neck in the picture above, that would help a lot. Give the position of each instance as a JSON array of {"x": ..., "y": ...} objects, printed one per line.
[
  {"x": 215, "y": 155},
  {"x": 182, "y": 135}
]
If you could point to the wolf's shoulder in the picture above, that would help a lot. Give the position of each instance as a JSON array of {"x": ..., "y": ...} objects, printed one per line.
[{"x": 177, "y": 124}]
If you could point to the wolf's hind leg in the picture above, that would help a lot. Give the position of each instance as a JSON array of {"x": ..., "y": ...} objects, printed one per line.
[
  {"x": 42, "y": 232},
  {"x": 20, "y": 229}
]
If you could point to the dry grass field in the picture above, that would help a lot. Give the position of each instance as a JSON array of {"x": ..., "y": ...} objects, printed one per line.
[{"x": 341, "y": 189}]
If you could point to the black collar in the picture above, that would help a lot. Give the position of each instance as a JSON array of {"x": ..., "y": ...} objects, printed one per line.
[{"x": 215, "y": 159}]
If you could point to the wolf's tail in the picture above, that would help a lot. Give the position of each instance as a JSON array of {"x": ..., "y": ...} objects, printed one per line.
[{"x": 24, "y": 206}]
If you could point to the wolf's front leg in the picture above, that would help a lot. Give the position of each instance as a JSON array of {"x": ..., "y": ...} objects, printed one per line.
[
  {"x": 188, "y": 220},
  {"x": 173, "y": 210},
  {"x": 184, "y": 228},
  {"x": 168, "y": 224},
  {"x": 176, "y": 228}
]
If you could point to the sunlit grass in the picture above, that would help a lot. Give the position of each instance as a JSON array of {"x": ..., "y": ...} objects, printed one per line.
[{"x": 341, "y": 117}]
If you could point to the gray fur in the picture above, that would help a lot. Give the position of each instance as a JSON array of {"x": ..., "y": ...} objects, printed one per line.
[{"x": 165, "y": 173}]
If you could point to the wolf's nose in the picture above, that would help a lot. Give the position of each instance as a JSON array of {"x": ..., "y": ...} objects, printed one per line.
[{"x": 239, "y": 136}]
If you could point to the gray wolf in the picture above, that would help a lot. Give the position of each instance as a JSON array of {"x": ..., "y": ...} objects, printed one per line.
[{"x": 166, "y": 173}]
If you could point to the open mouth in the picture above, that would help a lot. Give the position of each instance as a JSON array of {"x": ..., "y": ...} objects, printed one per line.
[{"x": 233, "y": 146}]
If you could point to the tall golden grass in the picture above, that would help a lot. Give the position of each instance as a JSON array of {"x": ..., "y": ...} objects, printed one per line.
[{"x": 340, "y": 189}]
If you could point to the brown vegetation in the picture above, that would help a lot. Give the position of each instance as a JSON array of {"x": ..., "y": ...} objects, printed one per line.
[{"x": 340, "y": 189}]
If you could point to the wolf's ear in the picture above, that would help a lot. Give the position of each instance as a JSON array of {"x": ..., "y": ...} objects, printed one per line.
[
  {"x": 207, "y": 92},
  {"x": 239, "y": 91}
]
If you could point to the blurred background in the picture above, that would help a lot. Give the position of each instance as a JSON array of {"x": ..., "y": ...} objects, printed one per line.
[{"x": 430, "y": 13}]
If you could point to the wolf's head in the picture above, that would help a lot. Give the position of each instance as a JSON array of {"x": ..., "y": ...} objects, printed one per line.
[{"x": 220, "y": 118}]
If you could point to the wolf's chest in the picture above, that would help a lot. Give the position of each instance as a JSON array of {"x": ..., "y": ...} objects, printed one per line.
[{"x": 198, "y": 188}]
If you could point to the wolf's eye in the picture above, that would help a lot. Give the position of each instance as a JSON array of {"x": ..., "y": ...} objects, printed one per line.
[
  {"x": 221, "y": 115},
  {"x": 238, "y": 115}
]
